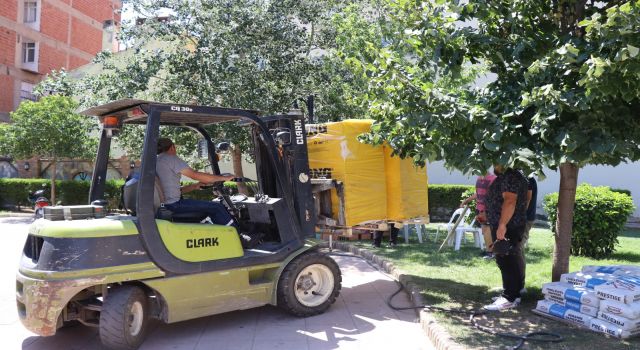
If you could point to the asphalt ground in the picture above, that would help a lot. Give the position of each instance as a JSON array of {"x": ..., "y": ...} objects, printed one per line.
[{"x": 360, "y": 318}]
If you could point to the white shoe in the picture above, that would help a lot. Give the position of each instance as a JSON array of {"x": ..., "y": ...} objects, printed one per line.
[
  {"x": 502, "y": 304},
  {"x": 519, "y": 300}
]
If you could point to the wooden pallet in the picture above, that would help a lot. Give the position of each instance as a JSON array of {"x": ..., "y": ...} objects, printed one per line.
[
  {"x": 420, "y": 220},
  {"x": 348, "y": 231}
]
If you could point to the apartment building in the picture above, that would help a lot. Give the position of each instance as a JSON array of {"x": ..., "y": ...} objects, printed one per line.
[{"x": 38, "y": 36}]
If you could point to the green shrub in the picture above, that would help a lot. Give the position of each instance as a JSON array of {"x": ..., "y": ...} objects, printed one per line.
[
  {"x": 68, "y": 192},
  {"x": 472, "y": 205},
  {"x": 622, "y": 190},
  {"x": 16, "y": 191},
  {"x": 599, "y": 216},
  {"x": 444, "y": 199}
]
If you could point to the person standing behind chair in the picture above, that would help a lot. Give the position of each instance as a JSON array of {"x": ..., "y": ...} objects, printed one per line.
[
  {"x": 532, "y": 194},
  {"x": 507, "y": 216},
  {"x": 482, "y": 185}
]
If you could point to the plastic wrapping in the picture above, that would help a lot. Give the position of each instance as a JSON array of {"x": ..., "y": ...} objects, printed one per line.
[
  {"x": 407, "y": 192},
  {"x": 335, "y": 153}
]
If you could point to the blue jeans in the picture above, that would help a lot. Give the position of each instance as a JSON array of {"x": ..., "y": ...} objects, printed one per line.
[{"x": 214, "y": 210}]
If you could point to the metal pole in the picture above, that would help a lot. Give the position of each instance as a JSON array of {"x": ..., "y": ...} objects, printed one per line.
[{"x": 310, "y": 108}]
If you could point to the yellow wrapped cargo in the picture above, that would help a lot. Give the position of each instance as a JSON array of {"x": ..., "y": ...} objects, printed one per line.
[
  {"x": 336, "y": 153},
  {"x": 407, "y": 187}
]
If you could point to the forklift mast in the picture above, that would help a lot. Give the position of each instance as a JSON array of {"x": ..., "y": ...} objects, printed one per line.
[{"x": 288, "y": 131}]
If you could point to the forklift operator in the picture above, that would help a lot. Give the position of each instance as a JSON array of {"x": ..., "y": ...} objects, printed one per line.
[{"x": 170, "y": 168}]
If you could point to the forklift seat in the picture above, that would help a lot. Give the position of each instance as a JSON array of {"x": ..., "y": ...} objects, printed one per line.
[
  {"x": 165, "y": 214},
  {"x": 130, "y": 193}
]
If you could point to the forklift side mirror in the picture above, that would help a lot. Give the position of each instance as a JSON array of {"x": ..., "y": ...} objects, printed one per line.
[
  {"x": 223, "y": 146},
  {"x": 283, "y": 138}
]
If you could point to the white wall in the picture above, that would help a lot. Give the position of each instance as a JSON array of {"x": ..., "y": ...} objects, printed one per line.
[{"x": 622, "y": 176}]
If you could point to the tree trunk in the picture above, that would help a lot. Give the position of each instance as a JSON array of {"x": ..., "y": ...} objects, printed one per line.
[
  {"x": 53, "y": 182},
  {"x": 564, "y": 221},
  {"x": 236, "y": 155}
]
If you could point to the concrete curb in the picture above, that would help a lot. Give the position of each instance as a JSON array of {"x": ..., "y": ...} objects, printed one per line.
[{"x": 437, "y": 334}]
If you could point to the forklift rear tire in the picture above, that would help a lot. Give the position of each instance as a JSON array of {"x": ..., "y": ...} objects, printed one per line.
[
  {"x": 309, "y": 284},
  {"x": 124, "y": 318}
]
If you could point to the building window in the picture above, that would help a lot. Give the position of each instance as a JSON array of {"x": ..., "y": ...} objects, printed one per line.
[
  {"x": 30, "y": 11},
  {"x": 26, "y": 92},
  {"x": 29, "y": 55},
  {"x": 28, "y": 52}
]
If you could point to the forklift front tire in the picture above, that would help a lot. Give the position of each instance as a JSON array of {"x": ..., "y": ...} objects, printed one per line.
[
  {"x": 124, "y": 318},
  {"x": 309, "y": 284}
]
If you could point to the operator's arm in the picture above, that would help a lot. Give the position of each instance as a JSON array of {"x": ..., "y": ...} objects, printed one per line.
[
  {"x": 466, "y": 201},
  {"x": 204, "y": 177},
  {"x": 529, "y": 196},
  {"x": 508, "y": 208},
  {"x": 191, "y": 187}
]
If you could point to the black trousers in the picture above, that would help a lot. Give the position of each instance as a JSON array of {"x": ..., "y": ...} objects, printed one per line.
[
  {"x": 393, "y": 236},
  {"x": 511, "y": 265}
]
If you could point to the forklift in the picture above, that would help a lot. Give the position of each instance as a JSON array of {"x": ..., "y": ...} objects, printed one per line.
[{"x": 115, "y": 272}]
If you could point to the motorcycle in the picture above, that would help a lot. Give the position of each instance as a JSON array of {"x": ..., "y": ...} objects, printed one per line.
[{"x": 39, "y": 200}]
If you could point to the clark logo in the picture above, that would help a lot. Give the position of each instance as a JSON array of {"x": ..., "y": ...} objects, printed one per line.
[{"x": 202, "y": 242}]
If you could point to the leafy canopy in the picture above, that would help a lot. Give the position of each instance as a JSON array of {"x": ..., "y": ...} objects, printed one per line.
[
  {"x": 48, "y": 128},
  {"x": 558, "y": 94},
  {"x": 254, "y": 54}
]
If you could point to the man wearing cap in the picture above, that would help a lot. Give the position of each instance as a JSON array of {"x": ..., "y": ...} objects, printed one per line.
[{"x": 170, "y": 168}]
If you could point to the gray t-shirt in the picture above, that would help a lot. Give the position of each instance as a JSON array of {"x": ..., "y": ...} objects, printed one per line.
[{"x": 168, "y": 169}]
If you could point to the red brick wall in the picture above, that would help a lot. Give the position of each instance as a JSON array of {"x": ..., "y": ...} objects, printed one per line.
[
  {"x": 6, "y": 97},
  {"x": 75, "y": 62},
  {"x": 54, "y": 22},
  {"x": 50, "y": 59},
  {"x": 9, "y": 9},
  {"x": 99, "y": 10},
  {"x": 85, "y": 37},
  {"x": 7, "y": 46}
]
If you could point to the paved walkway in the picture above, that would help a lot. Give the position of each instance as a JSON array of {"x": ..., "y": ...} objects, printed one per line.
[{"x": 360, "y": 318}]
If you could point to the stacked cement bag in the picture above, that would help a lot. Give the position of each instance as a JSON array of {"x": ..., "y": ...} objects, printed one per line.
[{"x": 605, "y": 299}]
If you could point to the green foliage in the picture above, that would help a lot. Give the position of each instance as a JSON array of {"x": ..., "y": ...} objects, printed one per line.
[
  {"x": 599, "y": 216},
  {"x": 206, "y": 194},
  {"x": 468, "y": 193},
  {"x": 444, "y": 199},
  {"x": 16, "y": 191},
  {"x": 48, "y": 128},
  {"x": 622, "y": 190},
  {"x": 259, "y": 55},
  {"x": 562, "y": 92}
]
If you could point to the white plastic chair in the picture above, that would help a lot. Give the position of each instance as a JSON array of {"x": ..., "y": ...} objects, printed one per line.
[
  {"x": 462, "y": 229},
  {"x": 452, "y": 221},
  {"x": 407, "y": 231}
]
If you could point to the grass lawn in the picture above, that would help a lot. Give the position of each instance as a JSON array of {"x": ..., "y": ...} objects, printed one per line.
[{"x": 463, "y": 279}]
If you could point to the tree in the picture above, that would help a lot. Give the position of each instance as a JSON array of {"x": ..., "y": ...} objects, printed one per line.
[
  {"x": 261, "y": 55},
  {"x": 566, "y": 92},
  {"x": 48, "y": 128}
]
